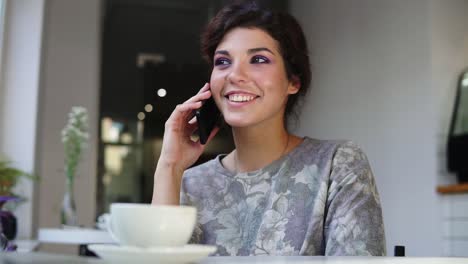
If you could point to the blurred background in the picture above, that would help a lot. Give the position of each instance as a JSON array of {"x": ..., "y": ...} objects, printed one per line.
[{"x": 385, "y": 75}]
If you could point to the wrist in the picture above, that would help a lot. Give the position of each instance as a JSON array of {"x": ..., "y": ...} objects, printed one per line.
[
  {"x": 167, "y": 183},
  {"x": 168, "y": 165}
]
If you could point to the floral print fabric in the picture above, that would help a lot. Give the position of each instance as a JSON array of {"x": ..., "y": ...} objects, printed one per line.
[{"x": 319, "y": 199}]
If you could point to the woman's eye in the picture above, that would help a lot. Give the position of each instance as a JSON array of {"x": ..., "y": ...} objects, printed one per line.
[
  {"x": 221, "y": 61},
  {"x": 259, "y": 59}
]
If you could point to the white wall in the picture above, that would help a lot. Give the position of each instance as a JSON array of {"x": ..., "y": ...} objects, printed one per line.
[
  {"x": 70, "y": 77},
  {"x": 2, "y": 44},
  {"x": 385, "y": 75},
  {"x": 18, "y": 95},
  {"x": 44, "y": 73},
  {"x": 449, "y": 45},
  {"x": 372, "y": 83}
]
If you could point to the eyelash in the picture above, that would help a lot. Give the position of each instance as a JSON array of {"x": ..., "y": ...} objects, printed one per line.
[
  {"x": 221, "y": 61},
  {"x": 254, "y": 60}
]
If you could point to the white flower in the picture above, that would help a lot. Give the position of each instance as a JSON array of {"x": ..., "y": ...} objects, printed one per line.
[{"x": 74, "y": 137}]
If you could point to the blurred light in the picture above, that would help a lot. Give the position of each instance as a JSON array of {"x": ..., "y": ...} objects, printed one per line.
[
  {"x": 140, "y": 130},
  {"x": 106, "y": 128},
  {"x": 127, "y": 138},
  {"x": 465, "y": 82},
  {"x": 107, "y": 179},
  {"x": 162, "y": 92},
  {"x": 141, "y": 116},
  {"x": 148, "y": 108}
]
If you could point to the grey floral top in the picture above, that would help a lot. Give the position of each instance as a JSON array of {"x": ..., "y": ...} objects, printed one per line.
[{"x": 319, "y": 199}]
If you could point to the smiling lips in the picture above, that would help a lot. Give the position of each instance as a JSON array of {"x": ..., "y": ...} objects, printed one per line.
[{"x": 240, "y": 98}]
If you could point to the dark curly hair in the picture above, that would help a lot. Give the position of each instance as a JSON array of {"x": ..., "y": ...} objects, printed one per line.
[{"x": 280, "y": 26}]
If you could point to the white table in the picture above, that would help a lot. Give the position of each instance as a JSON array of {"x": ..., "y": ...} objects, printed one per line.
[
  {"x": 39, "y": 258},
  {"x": 331, "y": 260},
  {"x": 75, "y": 236},
  {"x": 26, "y": 245}
]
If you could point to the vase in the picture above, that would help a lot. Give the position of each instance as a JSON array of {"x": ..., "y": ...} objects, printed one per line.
[
  {"x": 68, "y": 211},
  {"x": 8, "y": 223}
]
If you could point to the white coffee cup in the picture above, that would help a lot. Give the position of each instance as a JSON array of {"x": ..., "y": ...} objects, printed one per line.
[{"x": 145, "y": 225}]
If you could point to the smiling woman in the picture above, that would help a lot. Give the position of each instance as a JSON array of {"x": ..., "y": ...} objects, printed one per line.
[{"x": 276, "y": 193}]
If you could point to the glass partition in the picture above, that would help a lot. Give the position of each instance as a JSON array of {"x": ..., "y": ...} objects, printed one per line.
[{"x": 457, "y": 149}]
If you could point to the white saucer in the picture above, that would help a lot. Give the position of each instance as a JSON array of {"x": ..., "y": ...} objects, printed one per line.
[{"x": 120, "y": 254}]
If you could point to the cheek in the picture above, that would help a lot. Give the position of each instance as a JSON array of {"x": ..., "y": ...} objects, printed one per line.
[
  {"x": 272, "y": 81},
  {"x": 216, "y": 84}
]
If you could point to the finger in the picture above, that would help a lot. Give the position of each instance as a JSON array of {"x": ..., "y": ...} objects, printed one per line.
[
  {"x": 188, "y": 107},
  {"x": 191, "y": 128},
  {"x": 193, "y": 120},
  {"x": 199, "y": 97},
  {"x": 205, "y": 88},
  {"x": 184, "y": 111},
  {"x": 194, "y": 138}
]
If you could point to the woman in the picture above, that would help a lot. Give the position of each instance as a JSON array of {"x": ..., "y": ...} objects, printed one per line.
[{"x": 276, "y": 193}]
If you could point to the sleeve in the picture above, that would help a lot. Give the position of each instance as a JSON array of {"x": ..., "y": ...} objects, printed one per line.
[
  {"x": 353, "y": 220},
  {"x": 185, "y": 199}
]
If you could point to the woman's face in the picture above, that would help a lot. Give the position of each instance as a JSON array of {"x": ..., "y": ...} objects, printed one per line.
[{"x": 249, "y": 81}]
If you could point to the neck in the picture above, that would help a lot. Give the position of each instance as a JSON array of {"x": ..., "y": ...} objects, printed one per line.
[{"x": 258, "y": 146}]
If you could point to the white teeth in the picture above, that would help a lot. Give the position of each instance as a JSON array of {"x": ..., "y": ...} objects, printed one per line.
[{"x": 240, "y": 98}]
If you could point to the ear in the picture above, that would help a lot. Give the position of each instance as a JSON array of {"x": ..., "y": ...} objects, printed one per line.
[{"x": 294, "y": 85}]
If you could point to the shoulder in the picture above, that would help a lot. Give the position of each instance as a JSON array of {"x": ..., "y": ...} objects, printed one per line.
[
  {"x": 201, "y": 170},
  {"x": 348, "y": 151},
  {"x": 318, "y": 158},
  {"x": 321, "y": 152},
  {"x": 349, "y": 158},
  {"x": 339, "y": 159},
  {"x": 201, "y": 178},
  {"x": 211, "y": 164},
  {"x": 351, "y": 171}
]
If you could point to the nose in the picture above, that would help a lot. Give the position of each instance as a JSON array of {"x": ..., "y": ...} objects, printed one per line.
[{"x": 238, "y": 73}]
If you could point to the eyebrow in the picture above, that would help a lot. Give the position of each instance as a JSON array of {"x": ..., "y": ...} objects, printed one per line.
[{"x": 249, "y": 51}]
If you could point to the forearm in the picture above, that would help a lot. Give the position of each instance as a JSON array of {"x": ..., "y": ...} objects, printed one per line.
[{"x": 167, "y": 183}]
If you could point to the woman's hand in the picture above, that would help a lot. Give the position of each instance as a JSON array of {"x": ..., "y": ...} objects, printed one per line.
[{"x": 178, "y": 150}]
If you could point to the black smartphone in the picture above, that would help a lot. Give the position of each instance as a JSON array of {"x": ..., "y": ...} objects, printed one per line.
[{"x": 207, "y": 117}]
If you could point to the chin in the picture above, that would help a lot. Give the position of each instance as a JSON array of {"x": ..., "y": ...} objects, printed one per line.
[{"x": 237, "y": 122}]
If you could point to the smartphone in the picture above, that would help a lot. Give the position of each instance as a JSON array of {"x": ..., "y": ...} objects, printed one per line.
[{"x": 207, "y": 118}]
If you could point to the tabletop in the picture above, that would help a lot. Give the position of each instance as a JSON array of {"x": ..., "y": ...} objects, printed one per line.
[
  {"x": 43, "y": 258},
  {"x": 74, "y": 236},
  {"x": 26, "y": 245}
]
